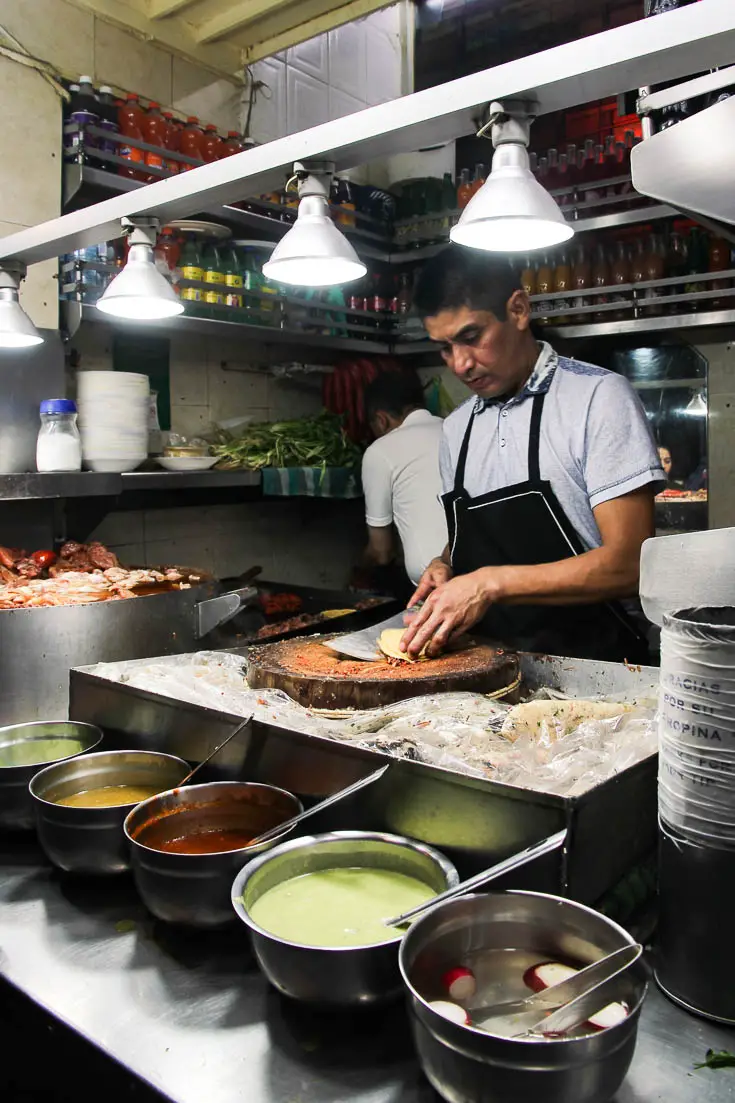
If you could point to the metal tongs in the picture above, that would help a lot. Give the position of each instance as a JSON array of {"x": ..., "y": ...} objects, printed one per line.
[{"x": 575, "y": 1000}]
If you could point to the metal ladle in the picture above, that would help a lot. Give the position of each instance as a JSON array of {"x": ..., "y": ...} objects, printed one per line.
[
  {"x": 551, "y": 842},
  {"x": 340, "y": 795}
]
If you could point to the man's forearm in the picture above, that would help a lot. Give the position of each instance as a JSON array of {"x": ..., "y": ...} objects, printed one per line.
[{"x": 596, "y": 575}]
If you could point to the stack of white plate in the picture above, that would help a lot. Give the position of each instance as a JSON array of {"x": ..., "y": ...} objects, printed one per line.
[{"x": 113, "y": 419}]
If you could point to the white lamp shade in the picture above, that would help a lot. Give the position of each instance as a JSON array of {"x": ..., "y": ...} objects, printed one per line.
[
  {"x": 140, "y": 292},
  {"x": 314, "y": 253},
  {"x": 512, "y": 212},
  {"x": 17, "y": 331},
  {"x": 697, "y": 405}
]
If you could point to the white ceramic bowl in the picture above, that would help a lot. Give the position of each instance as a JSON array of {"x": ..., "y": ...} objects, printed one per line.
[
  {"x": 187, "y": 463},
  {"x": 113, "y": 466}
]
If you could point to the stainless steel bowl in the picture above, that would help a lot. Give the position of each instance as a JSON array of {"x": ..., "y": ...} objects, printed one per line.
[
  {"x": 21, "y": 742},
  {"x": 194, "y": 889},
  {"x": 343, "y": 976},
  {"x": 92, "y": 840},
  {"x": 467, "y": 1065}
]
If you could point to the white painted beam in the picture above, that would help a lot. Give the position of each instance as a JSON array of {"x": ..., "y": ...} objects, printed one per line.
[{"x": 663, "y": 48}]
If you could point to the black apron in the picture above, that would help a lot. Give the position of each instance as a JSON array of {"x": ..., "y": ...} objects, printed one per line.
[{"x": 525, "y": 524}]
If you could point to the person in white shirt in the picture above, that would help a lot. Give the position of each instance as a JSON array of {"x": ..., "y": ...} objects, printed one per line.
[{"x": 400, "y": 475}]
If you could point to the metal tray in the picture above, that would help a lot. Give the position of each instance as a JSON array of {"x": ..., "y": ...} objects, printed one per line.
[
  {"x": 242, "y": 630},
  {"x": 474, "y": 821}
]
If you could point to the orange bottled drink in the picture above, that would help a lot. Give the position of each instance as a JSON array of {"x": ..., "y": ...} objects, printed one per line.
[
  {"x": 464, "y": 189},
  {"x": 479, "y": 178}
]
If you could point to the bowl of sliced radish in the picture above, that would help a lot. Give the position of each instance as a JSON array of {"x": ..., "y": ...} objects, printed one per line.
[{"x": 470, "y": 966}]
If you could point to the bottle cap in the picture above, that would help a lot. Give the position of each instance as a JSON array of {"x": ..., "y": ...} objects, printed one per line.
[
  {"x": 105, "y": 90},
  {"x": 58, "y": 406},
  {"x": 192, "y": 119}
]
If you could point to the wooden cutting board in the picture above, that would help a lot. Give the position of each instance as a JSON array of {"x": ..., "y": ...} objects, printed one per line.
[{"x": 317, "y": 677}]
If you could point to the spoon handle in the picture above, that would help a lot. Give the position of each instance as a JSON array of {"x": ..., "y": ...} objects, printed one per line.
[
  {"x": 552, "y": 842},
  {"x": 216, "y": 750},
  {"x": 281, "y": 827}
]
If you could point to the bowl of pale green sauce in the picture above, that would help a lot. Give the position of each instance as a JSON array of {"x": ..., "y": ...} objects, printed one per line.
[
  {"x": 24, "y": 749},
  {"x": 316, "y": 909}
]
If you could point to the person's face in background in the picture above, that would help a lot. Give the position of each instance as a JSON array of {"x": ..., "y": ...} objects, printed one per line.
[{"x": 665, "y": 457}]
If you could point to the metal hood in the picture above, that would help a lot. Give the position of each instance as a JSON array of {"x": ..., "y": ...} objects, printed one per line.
[{"x": 691, "y": 165}]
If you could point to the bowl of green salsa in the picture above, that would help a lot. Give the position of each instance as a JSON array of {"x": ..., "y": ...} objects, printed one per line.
[
  {"x": 316, "y": 910},
  {"x": 24, "y": 749}
]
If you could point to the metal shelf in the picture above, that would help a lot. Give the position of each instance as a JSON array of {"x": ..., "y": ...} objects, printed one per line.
[
  {"x": 28, "y": 485},
  {"x": 75, "y": 313},
  {"x": 57, "y": 484},
  {"x": 645, "y": 325},
  {"x": 78, "y": 178}
]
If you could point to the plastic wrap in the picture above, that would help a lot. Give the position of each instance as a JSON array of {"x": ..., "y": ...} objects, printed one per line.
[{"x": 455, "y": 731}]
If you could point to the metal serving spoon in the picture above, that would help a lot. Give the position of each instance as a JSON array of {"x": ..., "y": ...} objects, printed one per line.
[
  {"x": 340, "y": 795},
  {"x": 552, "y": 842},
  {"x": 216, "y": 750}
]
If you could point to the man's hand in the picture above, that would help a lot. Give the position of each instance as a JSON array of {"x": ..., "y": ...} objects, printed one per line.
[
  {"x": 450, "y": 609},
  {"x": 437, "y": 573}
]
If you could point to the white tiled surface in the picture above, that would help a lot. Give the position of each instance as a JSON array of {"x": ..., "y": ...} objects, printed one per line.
[
  {"x": 311, "y": 57},
  {"x": 335, "y": 74},
  {"x": 196, "y": 92},
  {"x": 341, "y": 103},
  {"x": 307, "y": 100},
  {"x": 348, "y": 60},
  {"x": 383, "y": 65},
  {"x": 269, "y": 113}
]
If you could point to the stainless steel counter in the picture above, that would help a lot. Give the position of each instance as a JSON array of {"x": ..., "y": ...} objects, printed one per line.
[{"x": 192, "y": 1016}]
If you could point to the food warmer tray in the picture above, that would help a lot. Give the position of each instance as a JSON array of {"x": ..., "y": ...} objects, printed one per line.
[
  {"x": 242, "y": 630},
  {"x": 474, "y": 821}
]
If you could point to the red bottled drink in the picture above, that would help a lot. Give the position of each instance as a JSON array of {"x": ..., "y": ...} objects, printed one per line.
[
  {"x": 171, "y": 141},
  {"x": 155, "y": 131},
  {"x": 211, "y": 144},
  {"x": 190, "y": 141},
  {"x": 131, "y": 113},
  {"x": 233, "y": 144}
]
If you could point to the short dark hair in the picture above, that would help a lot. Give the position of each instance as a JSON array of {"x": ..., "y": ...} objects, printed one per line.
[
  {"x": 459, "y": 276},
  {"x": 394, "y": 392}
]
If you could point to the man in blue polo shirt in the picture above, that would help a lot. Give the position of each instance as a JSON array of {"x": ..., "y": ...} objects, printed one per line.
[{"x": 549, "y": 474}]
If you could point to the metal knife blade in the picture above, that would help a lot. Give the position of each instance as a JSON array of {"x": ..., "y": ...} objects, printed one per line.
[{"x": 364, "y": 644}]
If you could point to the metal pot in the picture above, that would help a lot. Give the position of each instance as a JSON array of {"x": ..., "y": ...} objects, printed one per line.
[
  {"x": 39, "y": 646},
  {"x": 194, "y": 889},
  {"x": 344, "y": 976},
  {"x": 92, "y": 840},
  {"x": 16, "y": 803},
  {"x": 468, "y": 1065}
]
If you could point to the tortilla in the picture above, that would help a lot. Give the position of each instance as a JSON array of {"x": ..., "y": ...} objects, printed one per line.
[
  {"x": 389, "y": 643},
  {"x": 557, "y": 718}
]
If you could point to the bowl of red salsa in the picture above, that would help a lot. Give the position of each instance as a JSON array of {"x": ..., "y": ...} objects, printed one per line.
[{"x": 188, "y": 844}]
